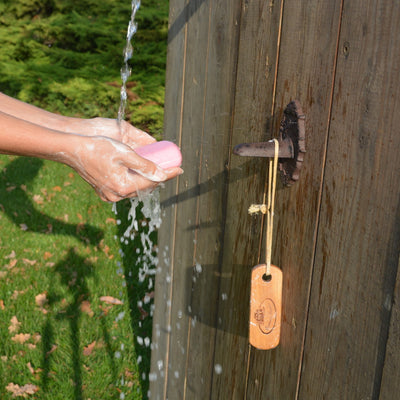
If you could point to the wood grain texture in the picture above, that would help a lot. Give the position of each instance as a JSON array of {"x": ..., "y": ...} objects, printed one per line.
[
  {"x": 337, "y": 231},
  {"x": 256, "y": 62},
  {"x": 391, "y": 372},
  {"x": 162, "y": 318},
  {"x": 196, "y": 14},
  {"x": 216, "y": 111},
  {"x": 358, "y": 238},
  {"x": 306, "y": 68}
]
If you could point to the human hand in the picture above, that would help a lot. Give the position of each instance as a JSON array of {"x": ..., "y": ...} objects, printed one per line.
[
  {"x": 111, "y": 128},
  {"x": 113, "y": 169}
]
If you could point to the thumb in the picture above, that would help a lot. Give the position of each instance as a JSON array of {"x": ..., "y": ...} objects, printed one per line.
[{"x": 144, "y": 167}]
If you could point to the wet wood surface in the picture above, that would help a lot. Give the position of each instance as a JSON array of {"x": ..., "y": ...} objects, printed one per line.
[{"x": 232, "y": 68}]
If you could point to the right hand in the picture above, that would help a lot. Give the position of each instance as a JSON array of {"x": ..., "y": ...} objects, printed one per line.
[{"x": 113, "y": 169}]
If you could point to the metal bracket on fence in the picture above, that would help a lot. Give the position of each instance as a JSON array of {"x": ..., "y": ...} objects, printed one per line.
[{"x": 292, "y": 144}]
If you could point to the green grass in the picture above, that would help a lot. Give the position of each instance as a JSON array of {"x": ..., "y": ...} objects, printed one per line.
[{"x": 57, "y": 238}]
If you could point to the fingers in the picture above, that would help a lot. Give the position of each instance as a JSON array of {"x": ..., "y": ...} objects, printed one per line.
[
  {"x": 130, "y": 184},
  {"x": 133, "y": 136}
]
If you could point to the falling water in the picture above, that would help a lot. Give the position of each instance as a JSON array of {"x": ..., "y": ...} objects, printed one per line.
[
  {"x": 128, "y": 52},
  {"x": 148, "y": 205}
]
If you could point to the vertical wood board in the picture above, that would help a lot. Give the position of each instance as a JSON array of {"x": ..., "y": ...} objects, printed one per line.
[
  {"x": 358, "y": 239},
  {"x": 195, "y": 15},
  {"x": 253, "y": 103},
  {"x": 306, "y": 68},
  {"x": 220, "y": 62},
  {"x": 391, "y": 372},
  {"x": 162, "y": 318}
]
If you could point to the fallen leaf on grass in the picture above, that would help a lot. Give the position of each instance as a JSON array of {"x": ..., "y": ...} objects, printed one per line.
[
  {"x": 143, "y": 313},
  {"x": 11, "y": 188},
  {"x": 21, "y": 338},
  {"x": 11, "y": 255},
  {"x": 29, "y": 262},
  {"x": 47, "y": 255},
  {"x": 16, "y": 293},
  {"x": 87, "y": 351},
  {"x": 31, "y": 370},
  {"x": 111, "y": 221},
  {"x": 110, "y": 300},
  {"x": 2, "y": 304},
  {"x": 41, "y": 299},
  {"x": 52, "y": 350},
  {"x": 38, "y": 199},
  {"x": 36, "y": 337},
  {"x": 24, "y": 227},
  {"x": 23, "y": 391},
  {"x": 50, "y": 264},
  {"x": 15, "y": 325},
  {"x": 12, "y": 263},
  {"x": 85, "y": 307},
  {"x": 57, "y": 188}
]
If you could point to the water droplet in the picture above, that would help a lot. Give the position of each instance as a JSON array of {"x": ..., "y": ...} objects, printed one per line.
[
  {"x": 199, "y": 268},
  {"x": 152, "y": 376},
  {"x": 218, "y": 369}
]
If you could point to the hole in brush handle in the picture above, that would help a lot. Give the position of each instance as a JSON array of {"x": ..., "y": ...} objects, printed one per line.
[{"x": 164, "y": 153}]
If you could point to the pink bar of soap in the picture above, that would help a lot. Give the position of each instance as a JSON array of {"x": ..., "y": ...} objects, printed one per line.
[{"x": 165, "y": 154}]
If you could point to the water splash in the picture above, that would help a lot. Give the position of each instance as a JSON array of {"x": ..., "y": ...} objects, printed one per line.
[{"x": 128, "y": 52}]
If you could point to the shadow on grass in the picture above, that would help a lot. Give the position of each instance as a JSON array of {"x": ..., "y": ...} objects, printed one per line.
[
  {"x": 137, "y": 291},
  {"x": 20, "y": 209},
  {"x": 73, "y": 272}
]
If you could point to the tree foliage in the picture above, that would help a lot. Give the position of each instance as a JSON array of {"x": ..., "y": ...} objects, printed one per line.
[{"x": 65, "y": 56}]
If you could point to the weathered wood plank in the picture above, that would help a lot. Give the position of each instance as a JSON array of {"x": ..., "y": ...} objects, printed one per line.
[
  {"x": 391, "y": 371},
  {"x": 196, "y": 15},
  {"x": 306, "y": 67},
  {"x": 220, "y": 62},
  {"x": 162, "y": 318},
  {"x": 253, "y": 103},
  {"x": 358, "y": 238}
]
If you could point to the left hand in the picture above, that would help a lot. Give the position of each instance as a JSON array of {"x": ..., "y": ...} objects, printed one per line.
[
  {"x": 113, "y": 169},
  {"x": 107, "y": 127}
]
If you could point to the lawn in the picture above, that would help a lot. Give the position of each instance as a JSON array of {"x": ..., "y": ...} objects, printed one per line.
[{"x": 75, "y": 313}]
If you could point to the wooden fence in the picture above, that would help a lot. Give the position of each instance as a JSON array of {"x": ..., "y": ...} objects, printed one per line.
[{"x": 232, "y": 68}]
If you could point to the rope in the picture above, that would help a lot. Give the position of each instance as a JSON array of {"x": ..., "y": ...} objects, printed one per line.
[
  {"x": 269, "y": 208},
  {"x": 272, "y": 173}
]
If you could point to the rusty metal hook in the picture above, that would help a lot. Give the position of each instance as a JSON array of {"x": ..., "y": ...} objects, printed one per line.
[{"x": 292, "y": 136}]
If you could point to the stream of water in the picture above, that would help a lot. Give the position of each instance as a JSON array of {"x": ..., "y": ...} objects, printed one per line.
[
  {"x": 128, "y": 52},
  {"x": 148, "y": 205}
]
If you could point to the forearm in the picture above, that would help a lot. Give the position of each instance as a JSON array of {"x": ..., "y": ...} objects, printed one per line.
[
  {"x": 44, "y": 118},
  {"x": 33, "y": 114},
  {"x": 20, "y": 137}
]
